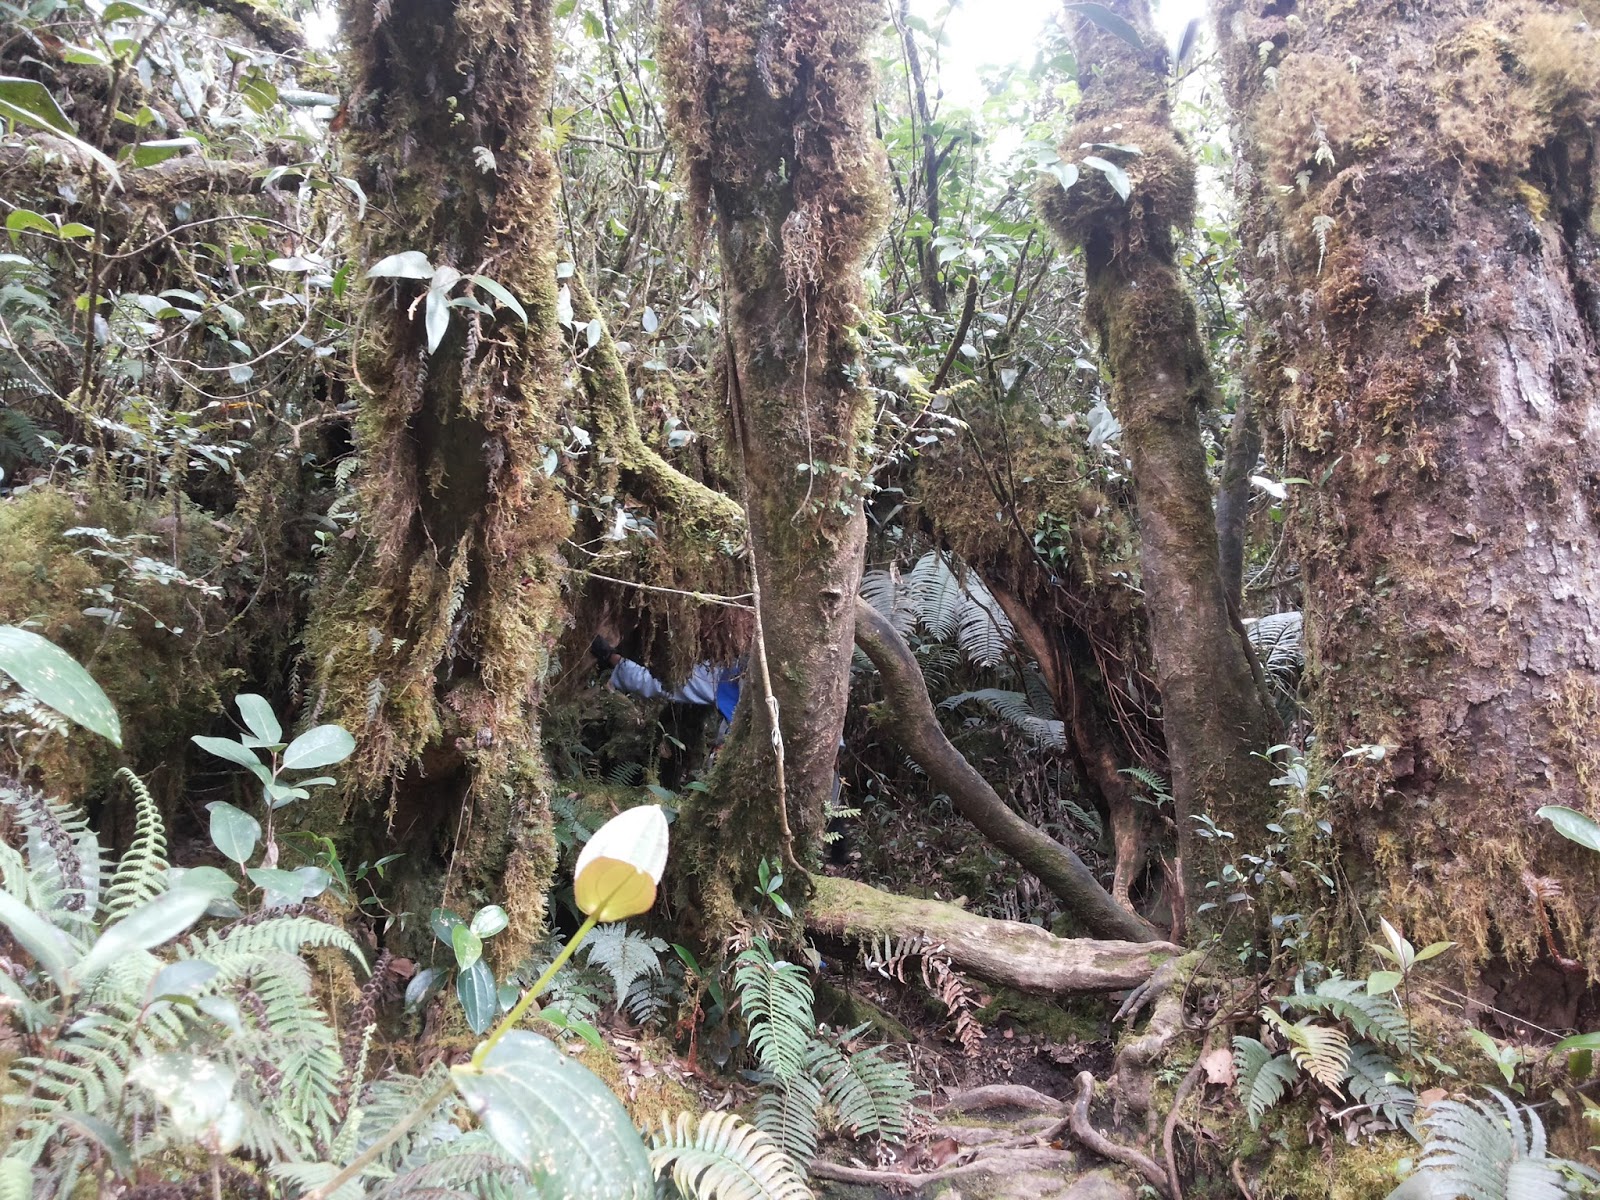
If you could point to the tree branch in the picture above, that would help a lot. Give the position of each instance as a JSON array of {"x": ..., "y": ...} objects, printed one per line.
[
  {"x": 907, "y": 715},
  {"x": 1011, "y": 953}
]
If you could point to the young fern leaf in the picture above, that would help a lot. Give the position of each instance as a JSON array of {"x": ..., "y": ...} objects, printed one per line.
[
  {"x": 1371, "y": 1080},
  {"x": 1321, "y": 1051},
  {"x": 775, "y": 998},
  {"x": 1263, "y": 1077},
  {"x": 1376, "y": 1018},
  {"x": 141, "y": 873},
  {"x": 724, "y": 1158}
]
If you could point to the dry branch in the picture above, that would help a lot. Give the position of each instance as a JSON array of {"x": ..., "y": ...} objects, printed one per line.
[
  {"x": 1012, "y": 953},
  {"x": 908, "y": 716}
]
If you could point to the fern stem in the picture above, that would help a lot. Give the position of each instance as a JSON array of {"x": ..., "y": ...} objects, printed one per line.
[
  {"x": 368, "y": 1156},
  {"x": 528, "y": 997}
]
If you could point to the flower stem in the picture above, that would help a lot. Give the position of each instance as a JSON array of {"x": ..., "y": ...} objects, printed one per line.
[{"x": 528, "y": 997}]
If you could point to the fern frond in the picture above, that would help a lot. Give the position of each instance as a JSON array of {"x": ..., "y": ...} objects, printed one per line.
[
  {"x": 983, "y": 630},
  {"x": 1263, "y": 1077},
  {"x": 1473, "y": 1150},
  {"x": 1014, "y": 709},
  {"x": 1277, "y": 640},
  {"x": 1371, "y": 1080},
  {"x": 283, "y": 935},
  {"x": 724, "y": 1158},
  {"x": 1321, "y": 1051},
  {"x": 870, "y": 1092},
  {"x": 141, "y": 872},
  {"x": 884, "y": 590},
  {"x": 624, "y": 955},
  {"x": 775, "y": 999},
  {"x": 1376, "y": 1018},
  {"x": 788, "y": 1114},
  {"x": 935, "y": 593}
]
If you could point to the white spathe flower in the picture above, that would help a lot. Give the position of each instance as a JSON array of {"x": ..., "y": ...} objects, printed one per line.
[{"x": 619, "y": 868}]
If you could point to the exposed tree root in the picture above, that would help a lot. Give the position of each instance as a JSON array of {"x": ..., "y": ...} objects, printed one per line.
[
  {"x": 1002, "y": 1162},
  {"x": 1077, "y": 1120},
  {"x": 1007, "y": 952},
  {"x": 1002, "y": 1095},
  {"x": 907, "y": 715}
]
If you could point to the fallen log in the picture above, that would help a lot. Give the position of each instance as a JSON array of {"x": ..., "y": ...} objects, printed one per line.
[{"x": 1010, "y": 953}]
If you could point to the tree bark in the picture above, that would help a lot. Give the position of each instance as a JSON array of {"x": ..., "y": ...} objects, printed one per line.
[
  {"x": 431, "y": 634},
  {"x": 1419, "y": 233},
  {"x": 1012, "y": 953},
  {"x": 1233, "y": 499},
  {"x": 770, "y": 102},
  {"x": 907, "y": 714},
  {"x": 1214, "y": 720}
]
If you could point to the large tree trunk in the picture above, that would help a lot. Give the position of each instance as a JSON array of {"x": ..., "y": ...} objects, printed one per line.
[
  {"x": 770, "y": 99},
  {"x": 1420, "y": 232},
  {"x": 431, "y": 634},
  {"x": 1215, "y": 722}
]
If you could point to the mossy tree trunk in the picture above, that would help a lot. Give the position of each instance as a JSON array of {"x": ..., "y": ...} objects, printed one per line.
[
  {"x": 1214, "y": 720},
  {"x": 1420, "y": 229},
  {"x": 431, "y": 634},
  {"x": 770, "y": 100}
]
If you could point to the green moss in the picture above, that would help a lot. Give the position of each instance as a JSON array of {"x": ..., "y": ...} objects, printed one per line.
[{"x": 1075, "y": 1019}]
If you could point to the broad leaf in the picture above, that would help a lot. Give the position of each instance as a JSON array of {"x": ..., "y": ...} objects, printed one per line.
[
  {"x": 53, "y": 677},
  {"x": 1115, "y": 175},
  {"x": 468, "y": 947},
  {"x": 408, "y": 264},
  {"x": 480, "y": 999},
  {"x": 557, "y": 1120},
  {"x": 1572, "y": 825},
  {"x": 319, "y": 747},
  {"x": 501, "y": 294},
  {"x": 28, "y": 101},
  {"x": 183, "y": 978},
  {"x": 234, "y": 752},
  {"x": 48, "y": 945},
  {"x": 1099, "y": 14},
  {"x": 146, "y": 927},
  {"x": 233, "y": 831},
  {"x": 259, "y": 717},
  {"x": 489, "y": 920}
]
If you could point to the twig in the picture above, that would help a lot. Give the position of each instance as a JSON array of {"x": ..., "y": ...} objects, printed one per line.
[
  {"x": 983, "y": 1164},
  {"x": 1077, "y": 1120},
  {"x": 967, "y": 308},
  {"x": 1171, "y": 1127},
  {"x": 698, "y": 597}
]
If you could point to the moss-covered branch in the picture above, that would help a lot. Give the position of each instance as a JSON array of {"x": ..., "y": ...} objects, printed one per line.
[
  {"x": 645, "y": 475},
  {"x": 1011, "y": 953},
  {"x": 907, "y": 714}
]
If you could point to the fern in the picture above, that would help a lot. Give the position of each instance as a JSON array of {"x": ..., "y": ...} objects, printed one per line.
[
  {"x": 951, "y": 609},
  {"x": 1376, "y": 1018},
  {"x": 1321, "y": 1051},
  {"x": 935, "y": 594},
  {"x": 1015, "y": 710},
  {"x": 788, "y": 1114},
  {"x": 870, "y": 1092},
  {"x": 724, "y": 1158},
  {"x": 1277, "y": 641},
  {"x": 1370, "y": 1080},
  {"x": 284, "y": 935},
  {"x": 141, "y": 872},
  {"x": 1476, "y": 1150},
  {"x": 1263, "y": 1077},
  {"x": 884, "y": 590},
  {"x": 627, "y": 957},
  {"x": 775, "y": 999}
]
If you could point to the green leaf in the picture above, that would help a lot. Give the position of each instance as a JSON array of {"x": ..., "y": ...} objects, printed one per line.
[
  {"x": 557, "y": 1120},
  {"x": 468, "y": 947},
  {"x": 48, "y": 945},
  {"x": 319, "y": 747},
  {"x": 1432, "y": 950},
  {"x": 25, "y": 220},
  {"x": 408, "y": 264},
  {"x": 500, "y": 293},
  {"x": 233, "y": 831},
  {"x": 146, "y": 927},
  {"x": 1579, "y": 1041},
  {"x": 1115, "y": 175},
  {"x": 302, "y": 883},
  {"x": 1099, "y": 14},
  {"x": 259, "y": 717},
  {"x": 30, "y": 102},
  {"x": 102, "y": 1134},
  {"x": 480, "y": 1000},
  {"x": 1381, "y": 983},
  {"x": 183, "y": 978},
  {"x": 489, "y": 920},
  {"x": 148, "y": 154},
  {"x": 1572, "y": 825},
  {"x": 53, "y": 677},
  {"x": 234, "y": 752},
  {"x": 436, "y": 316},
  {"x": 442, "y": 921},
  {"x": 120, "y": 10}
]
